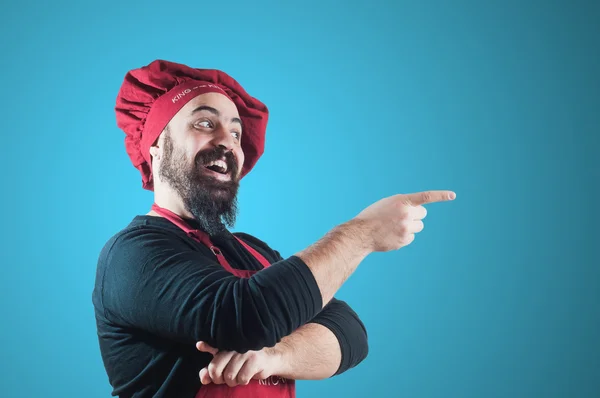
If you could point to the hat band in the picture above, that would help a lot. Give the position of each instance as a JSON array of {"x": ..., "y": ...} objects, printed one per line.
[{"x": 166, "y": 107}]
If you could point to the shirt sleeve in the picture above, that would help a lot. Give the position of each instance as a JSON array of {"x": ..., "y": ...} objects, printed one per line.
[
  {"x": 347, "y": 327},
  {"x": 154, "y": 282}
]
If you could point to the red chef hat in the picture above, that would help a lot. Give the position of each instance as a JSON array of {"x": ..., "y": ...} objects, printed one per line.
[{"x": 151, "y": 95}]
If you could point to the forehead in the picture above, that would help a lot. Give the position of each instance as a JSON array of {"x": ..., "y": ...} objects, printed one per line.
[{"x": 220, "y": 102}]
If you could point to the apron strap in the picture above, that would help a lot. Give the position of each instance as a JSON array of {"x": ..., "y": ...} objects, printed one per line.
[
  {"x": 265, "y": 263},
  {"x": 202, "y": 237}
]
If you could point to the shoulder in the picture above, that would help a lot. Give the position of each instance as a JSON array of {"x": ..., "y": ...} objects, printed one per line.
[
  {"x": 143, "y": 250},
  {"x": 143, "y": 236},
  {"x": 260, "y": 245}
]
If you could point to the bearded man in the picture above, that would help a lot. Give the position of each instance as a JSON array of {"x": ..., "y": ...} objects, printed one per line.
[{"x": 186, "y": 308}]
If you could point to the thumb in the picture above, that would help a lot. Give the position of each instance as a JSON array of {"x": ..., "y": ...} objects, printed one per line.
[{"x": 204, "y": 347}]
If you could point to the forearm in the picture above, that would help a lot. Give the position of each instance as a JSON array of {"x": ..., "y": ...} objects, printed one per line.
[
  {"x": 336, "y": 256},
  {"x": 312, "y": 352},
  {"x": 331, "y": 343}
]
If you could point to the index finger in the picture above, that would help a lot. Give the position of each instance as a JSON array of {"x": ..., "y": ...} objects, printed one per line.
[{"x": 422, "y": 198}]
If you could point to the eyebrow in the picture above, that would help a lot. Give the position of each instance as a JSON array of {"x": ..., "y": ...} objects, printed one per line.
[{"x": 216, "y": 113}]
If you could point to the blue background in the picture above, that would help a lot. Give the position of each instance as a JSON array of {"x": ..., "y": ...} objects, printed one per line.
[{"x": 499, "y": 296}]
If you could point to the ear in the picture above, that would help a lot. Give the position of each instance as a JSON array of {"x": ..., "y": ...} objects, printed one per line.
[{"x": 155, "y": 152}]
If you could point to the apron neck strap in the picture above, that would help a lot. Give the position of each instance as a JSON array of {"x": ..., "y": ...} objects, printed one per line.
[{"x": 203, "y": 238}]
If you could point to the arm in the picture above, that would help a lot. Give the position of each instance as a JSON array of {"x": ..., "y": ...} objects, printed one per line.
[
  {"x": 350, "y": 344},
  {"x": 330, "y": 344},
  {"x": 333, "y": 342},
  {"x": 310, "y": 353},
  {"x": 151, "y": 280},
  {"x": 337, "y": 319}
]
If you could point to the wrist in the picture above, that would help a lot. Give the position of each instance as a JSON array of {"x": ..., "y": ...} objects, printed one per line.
[
  {"x": 359, "y": 230},
  {"x": 278, "y": 358}
]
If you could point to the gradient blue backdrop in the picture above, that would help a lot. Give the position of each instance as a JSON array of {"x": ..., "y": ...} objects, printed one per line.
[{"x": 499, "y": 296}]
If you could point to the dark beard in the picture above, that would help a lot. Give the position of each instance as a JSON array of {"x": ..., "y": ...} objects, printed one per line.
[{"x": 213, "y": 203}]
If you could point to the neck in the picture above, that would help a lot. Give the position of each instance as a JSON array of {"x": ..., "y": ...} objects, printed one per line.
[{"x": 167, "y": 199}]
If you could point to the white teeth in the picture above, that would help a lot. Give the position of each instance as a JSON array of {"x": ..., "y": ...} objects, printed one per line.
[{"x": 219, "y": 163}]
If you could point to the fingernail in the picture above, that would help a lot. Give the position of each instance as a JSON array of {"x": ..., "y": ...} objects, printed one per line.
[{"x": 452, "y": 195}]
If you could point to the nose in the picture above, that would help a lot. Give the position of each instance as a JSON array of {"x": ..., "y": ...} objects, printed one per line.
[{"x": 224, "y": 139}]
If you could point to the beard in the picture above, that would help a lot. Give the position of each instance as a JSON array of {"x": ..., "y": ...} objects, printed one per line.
[{"x": 213, "y": 203}]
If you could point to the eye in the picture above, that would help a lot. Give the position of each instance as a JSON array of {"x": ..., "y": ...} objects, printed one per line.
[
  {"x": 207, "y": 124},
  {"x": 237, "y": 135}
]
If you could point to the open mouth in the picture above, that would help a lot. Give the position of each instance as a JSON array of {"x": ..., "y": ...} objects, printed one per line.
[{"x": 218, "y": 166}]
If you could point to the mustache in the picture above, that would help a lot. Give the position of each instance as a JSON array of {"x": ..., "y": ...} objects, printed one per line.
[{"x": 209, "y": 155}]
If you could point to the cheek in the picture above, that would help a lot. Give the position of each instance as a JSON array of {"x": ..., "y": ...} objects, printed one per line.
[
  {"x": 194, "y": 146},
  {"x": 240, "y": 159},
  {"x": 185, "y": 153}
]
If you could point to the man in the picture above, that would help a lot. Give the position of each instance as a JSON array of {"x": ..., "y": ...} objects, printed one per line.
[{"x": 185, "y": 308}]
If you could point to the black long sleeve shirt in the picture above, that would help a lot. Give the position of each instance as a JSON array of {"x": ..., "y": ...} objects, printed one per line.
[{"x": 158, "y": 292}]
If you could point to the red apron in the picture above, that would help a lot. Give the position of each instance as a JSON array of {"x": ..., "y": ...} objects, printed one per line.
[{"x": 272, "y": 387}]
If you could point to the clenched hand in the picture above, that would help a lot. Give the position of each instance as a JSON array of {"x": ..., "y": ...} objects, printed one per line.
[{"x": 233, "y": 368}]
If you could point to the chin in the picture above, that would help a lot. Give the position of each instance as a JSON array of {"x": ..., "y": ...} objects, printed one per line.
[{"x": 220, "y": 193}]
